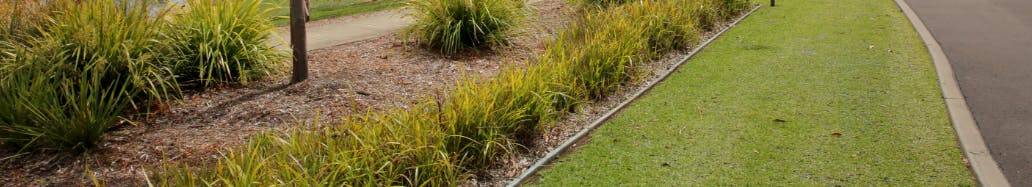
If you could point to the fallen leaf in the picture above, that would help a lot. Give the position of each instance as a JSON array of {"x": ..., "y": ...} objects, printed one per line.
[{"x": 837, "y": 134}]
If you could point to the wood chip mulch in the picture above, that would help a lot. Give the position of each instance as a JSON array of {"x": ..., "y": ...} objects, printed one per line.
[{"x": 348, "y": 79}]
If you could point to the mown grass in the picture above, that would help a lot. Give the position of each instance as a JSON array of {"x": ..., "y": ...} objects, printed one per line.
[
  {"x": 70, "y": 69},
  {"x": 325, "y": 9},
  {"x": 808, "y": 93},
  {"x": 443, "y": 141}
]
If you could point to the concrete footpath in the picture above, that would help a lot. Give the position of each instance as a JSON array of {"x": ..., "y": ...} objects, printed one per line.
[
  {"x": 989, "y": 44},
  {"x": 359, "y": 28}
]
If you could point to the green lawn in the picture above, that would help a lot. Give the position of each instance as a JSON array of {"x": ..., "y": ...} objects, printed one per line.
[
  {"x": 812, "y": 92},
  {"x": 324, "y": 9}
]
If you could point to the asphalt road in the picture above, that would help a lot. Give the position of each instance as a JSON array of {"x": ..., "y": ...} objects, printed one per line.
[{"x": 989, "y": 44}]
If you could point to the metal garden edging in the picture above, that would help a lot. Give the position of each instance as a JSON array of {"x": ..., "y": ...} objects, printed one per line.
[{"x": 598, "y": 122}]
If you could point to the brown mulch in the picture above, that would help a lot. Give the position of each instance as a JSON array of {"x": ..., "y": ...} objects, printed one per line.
[{"x": 348, "y": 79}]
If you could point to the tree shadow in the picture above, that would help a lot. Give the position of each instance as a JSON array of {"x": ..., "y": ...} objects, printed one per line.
[{"x": 220, "y": 109}]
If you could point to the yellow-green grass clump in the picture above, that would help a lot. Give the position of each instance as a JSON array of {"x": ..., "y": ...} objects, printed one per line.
[
  {"x": 444, "y": 141},
  {"x": 223, "y": 42},
  {"x": 451, "y": 25},
  {"x": 70, "y": 69}
]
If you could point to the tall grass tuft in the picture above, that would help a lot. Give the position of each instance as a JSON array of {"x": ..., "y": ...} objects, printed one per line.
[
  {"x": 41, "y": 107},
  {"x": 69, "y": 69},
  {"x": 450, "y": 25},
  {"x": 401, "y": 148},
  {"x": 91, "y": 60},
  {"x": 484, "y": 121},
  {"x": 121, "y": 35},
  {"x": 712, "y": 12},
  {"x": 219, "y": 42},
  {"x": 20, "y": 24},
  {"x": 20, "y": 21},
  {"x": 602, "y": 4}
]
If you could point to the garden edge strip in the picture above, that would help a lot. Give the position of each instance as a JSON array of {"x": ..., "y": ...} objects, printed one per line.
[
  {"x": 570, "y": 142},
  {"x": 985, "y": 169}
]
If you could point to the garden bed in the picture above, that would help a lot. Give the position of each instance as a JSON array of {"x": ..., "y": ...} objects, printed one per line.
[{"x": 349, "y": 79}]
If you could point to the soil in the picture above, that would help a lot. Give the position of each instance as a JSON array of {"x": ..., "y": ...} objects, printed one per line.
[{"x": 348, "y": 79}]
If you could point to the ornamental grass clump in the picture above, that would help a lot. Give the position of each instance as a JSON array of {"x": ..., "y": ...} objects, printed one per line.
[
  {"x": 450, "y": 25},
  {"x": 41, "y": 111},
  {"x": 66, "y": 87},
  {"x": 20, "y": 21},
  {"x": 602, "y": 4},
  {"x": 125, "y": 36},
  {"x": 599, "y": 56},
  {"x": 442, "y": 142},
  {"x": 712, "y": 12},
  {"x": 400, "y": 148},
  {"x": 218, "y": 42},
  {"x": 604, "y": 49},
  {"x": 484, "y": 121}
]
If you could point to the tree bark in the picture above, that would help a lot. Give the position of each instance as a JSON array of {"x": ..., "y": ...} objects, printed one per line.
[{"x": 297, "y": 40}]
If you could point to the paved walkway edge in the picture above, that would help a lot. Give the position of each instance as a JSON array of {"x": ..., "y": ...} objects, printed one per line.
[
  {"x": 986, "y": 171},
  {"x": 572, "y": 141}
]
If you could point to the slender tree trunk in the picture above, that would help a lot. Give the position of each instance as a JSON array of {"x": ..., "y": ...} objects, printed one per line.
[{"x": 297, "y": 40}]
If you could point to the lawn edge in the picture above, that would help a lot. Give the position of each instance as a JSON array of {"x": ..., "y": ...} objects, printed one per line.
[
  {"x": 985, "y": 169},
  {"x": 570, "y": 142}
]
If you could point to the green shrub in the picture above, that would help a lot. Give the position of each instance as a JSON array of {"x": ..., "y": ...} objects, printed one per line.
[
  {"x": 449, "y": 25},
  {"x": 69, "y": 70},
  {"x": 43, "y": 106},
  {"x": 124, "y": 37},
  {"x": 218, "y": 42},
  {"x": 67, "y": 86}
]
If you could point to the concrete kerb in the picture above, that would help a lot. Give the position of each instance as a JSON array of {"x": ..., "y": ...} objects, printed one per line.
[
  {"x": 541, "y": 163},
  {"x": 986, "y": 170}
]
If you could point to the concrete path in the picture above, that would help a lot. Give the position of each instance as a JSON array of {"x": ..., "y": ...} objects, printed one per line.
[
  {"x": 989, "y": 44},
  {"x": 352, "y": 30},
  {"x": 364, "y": 27}
]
